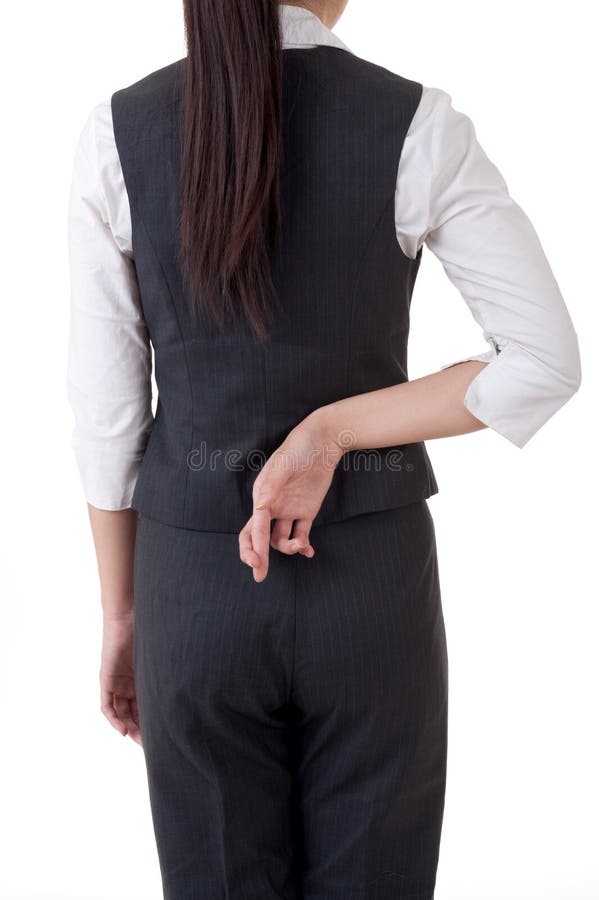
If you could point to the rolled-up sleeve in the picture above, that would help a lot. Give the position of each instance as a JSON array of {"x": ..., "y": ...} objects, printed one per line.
[
  {"x": 109, "y": 364},
  {"x": 491, "y": 253}
]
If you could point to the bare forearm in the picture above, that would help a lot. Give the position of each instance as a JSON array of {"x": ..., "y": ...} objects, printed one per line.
[
  {"x": 114, "y": 540},
  {"x": 426, "y": 408}
]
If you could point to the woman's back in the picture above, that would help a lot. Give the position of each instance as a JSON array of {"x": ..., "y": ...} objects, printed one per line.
[{"x": 343, "y": 283}]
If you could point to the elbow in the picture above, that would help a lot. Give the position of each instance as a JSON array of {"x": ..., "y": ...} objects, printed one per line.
[
  {"x": 577, "y": 373},
  {"x": 561, "y": 364},
  {"x": 575, "y": 380},
  {"x": 571, "y": 364}
]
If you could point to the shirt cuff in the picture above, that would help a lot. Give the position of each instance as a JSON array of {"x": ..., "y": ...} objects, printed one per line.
[
  {"x": 516, "y": 393},
  {"x": 108, "y": 483}
]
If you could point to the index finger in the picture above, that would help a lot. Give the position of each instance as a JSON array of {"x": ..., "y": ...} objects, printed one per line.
[{"x": 261, "y": 541}]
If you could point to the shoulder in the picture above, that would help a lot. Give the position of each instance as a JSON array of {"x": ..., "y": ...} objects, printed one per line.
[
  {"x": 155, "y": 82},
  {"x": 98, "y": 127},
  {"x": 97, "y": 173},
  {"x": 96, "y": 138},
  {"x": 155, "y": 90},
  {"x": 436, "y": 108},
  {"x": 438, "y": 112},
  {"x": 441, "y": 131},
  {"x": 95, "y": 149},
  {"x": 371, "y": 74},
  {"x": 432, "y": 106}
]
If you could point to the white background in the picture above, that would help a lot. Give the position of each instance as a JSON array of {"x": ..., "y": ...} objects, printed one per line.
[{"x": 516, "y": 529}]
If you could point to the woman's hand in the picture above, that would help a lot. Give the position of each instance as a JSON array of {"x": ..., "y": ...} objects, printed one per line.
[
  {"x": 290, "y": 488},
  {"x": 117, "y": 685}
]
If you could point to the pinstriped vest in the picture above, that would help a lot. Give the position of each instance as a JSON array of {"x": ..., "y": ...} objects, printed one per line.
[{"x": 226, "y": 402}]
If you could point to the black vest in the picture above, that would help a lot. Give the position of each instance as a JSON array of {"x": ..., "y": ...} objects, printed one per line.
[{"x": 225, "y": 403}]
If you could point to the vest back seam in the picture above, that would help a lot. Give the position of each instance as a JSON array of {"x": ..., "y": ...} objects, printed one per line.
[{"x": 354, "y": 296}]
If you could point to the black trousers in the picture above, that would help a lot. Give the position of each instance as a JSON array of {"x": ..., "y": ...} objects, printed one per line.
[{"x": 294, "y": 731}]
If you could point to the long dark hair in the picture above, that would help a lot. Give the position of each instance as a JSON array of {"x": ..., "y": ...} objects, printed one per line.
[{"x": 231, "y": 153}]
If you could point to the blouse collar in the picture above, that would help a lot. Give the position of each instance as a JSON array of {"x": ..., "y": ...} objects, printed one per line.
[{"x": 301, "y": 27}]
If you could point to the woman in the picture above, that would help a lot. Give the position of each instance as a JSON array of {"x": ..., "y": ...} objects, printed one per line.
[{"x": 273, "y": 631}]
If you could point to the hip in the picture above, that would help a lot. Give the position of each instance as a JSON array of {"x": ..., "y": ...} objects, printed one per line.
[{"x": 379, "y": 550}]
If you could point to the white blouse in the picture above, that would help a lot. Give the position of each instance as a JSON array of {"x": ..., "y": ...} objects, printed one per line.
[{"x": 449, "y": 196}]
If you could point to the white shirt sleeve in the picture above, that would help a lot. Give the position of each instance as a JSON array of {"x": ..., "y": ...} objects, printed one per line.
[
  {"x": 109, "y": 352},
  {"x": 453, "y": 198}
]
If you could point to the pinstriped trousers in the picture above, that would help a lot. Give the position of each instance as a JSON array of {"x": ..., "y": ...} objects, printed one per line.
[{"x": 294, "y": 731}]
